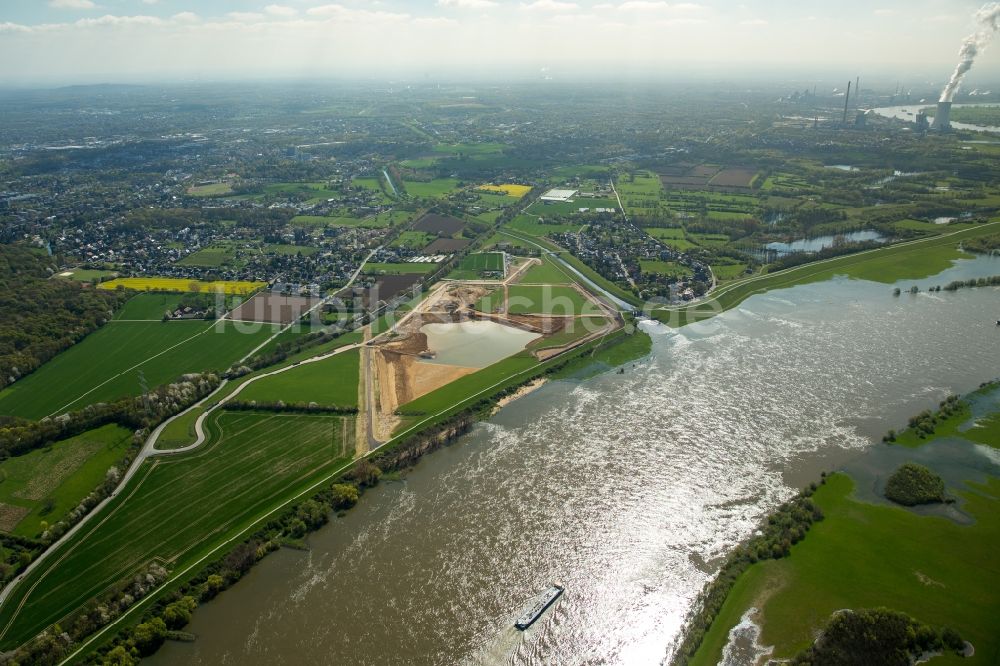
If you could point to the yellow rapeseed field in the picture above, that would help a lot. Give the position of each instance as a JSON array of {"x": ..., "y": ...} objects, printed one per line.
[
  {"x": 182, "y": 285},
  {"x": 510, "y": 190}
]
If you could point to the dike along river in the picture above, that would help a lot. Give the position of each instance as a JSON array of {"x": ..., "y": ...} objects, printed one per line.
[{"x": 624, "y": 488}]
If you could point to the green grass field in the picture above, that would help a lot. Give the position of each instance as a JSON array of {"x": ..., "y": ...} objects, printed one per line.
[
  {"x": 181, "y": 431},
  {"x": 180, "y": 508},
  {"x": 292, "y": 250},
  {"x": 101, "y": 366},
  {"x": 469, "y": 148},
  {"x": 864, "y": 556},
  {"x": 210, "y": 257},
  {"x": 728, "y": 271},
  {"x": 529, "y": 224},
  {"x": 149, "y": 306},
  {"x": 420, "y": 163},
  {"x": 663, "y": 267},
  {"x": 333, "y": 381},
  {"x": 547, "y": 299},
  {"x": 579, "y": 328},
  {"x": 88, "y": 275},
  {"x": 547, "y": 273},
  {"x": 46, "y": 484},
  {"x": 396, "y": 269},
  {"x": 435, "y": 189},
  {"x": 313, "y": 192},
  {"x": 674, "y": 237},
  {"x": 412, "y": 239},
  {"x": 211, "y": 190}
]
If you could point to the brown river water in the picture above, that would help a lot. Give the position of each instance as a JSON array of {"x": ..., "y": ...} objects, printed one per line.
[{"x": 625, "y": 488}]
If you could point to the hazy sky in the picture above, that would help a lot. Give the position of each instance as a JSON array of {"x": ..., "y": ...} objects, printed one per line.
[{"x": 88, "y": 40}]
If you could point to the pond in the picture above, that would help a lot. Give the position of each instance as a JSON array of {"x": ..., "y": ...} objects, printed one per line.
[
  {"x": 823, "y": 242},
  {"x": 474, "y": 344}
]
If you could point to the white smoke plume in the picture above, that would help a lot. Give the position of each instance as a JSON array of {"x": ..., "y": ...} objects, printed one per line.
[{"x": 988, "y": 18}]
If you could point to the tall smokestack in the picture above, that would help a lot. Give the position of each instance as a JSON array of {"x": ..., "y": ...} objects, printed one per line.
[
  {"x": 942, "y": 120},
  {"x": 847, "y": 100},
  {"x": 988, "y": 18},
  {"x": 857, "y": 91}
]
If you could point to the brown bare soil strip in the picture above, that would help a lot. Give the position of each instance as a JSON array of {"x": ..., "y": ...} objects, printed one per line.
[{"x": 11, "y": 515}]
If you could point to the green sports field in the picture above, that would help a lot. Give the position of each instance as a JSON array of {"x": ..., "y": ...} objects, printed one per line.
[
  {"x": 106, "y": 364},
  {"x": 46, "y": 484},
  {"x": 179, "y": 508},
  {"x": 476, "y": 266},
  {"x": 333, "y": 381}
]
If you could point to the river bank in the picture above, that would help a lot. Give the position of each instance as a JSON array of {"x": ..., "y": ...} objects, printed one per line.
[{"x": 629, "y": 489}]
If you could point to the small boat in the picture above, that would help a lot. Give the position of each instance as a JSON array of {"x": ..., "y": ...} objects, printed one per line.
[{"x": 539, "y": 607}]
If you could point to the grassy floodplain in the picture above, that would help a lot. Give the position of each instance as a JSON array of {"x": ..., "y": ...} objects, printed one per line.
[
  {"x": 905, "y": 261},
  {"x": 865, "y": 555},
  {"x": 181, "y": 285},
  {"x": 180, "y": 508},
  {"x": 46, "y": 484},
  {"x": 106, "y": 364}
]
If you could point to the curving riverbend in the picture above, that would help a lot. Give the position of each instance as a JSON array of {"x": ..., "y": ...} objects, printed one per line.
[{"x": 624, "y": 488}]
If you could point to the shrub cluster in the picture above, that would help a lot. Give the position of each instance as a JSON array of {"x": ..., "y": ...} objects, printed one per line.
[
  {"x": 914, "y": 484},
  {"x": 774, "y": 540},
  {"x": 876, "y": 636},
  {"x": 992, "y": 281}
]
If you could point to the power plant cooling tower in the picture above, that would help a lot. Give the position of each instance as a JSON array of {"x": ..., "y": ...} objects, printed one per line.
[{"x": 942, "y": 120}]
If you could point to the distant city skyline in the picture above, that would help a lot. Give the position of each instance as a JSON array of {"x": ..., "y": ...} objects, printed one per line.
[{"x": 67, "y": 41}]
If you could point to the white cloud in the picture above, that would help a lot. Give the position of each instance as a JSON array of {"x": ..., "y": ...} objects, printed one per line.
[
  {"x": 185, "y": 17},
  {"x": 756, "y": 21},
  {"x": 885, "y": 12},
  {"x": 150, "y": 2},
  {"x": 112, "y": 20},
  {"x": 436, "y": 21},
  {"x": 7, "y": 26},
  {"x": 72, "y": 4},
  {"x": 643, "y": 6},
  {"x": 245, "y": 16},
  {"x": 281, "y": 10},
  {"x": 467, "y": 4},
  {"x": 550, "y": 6}
]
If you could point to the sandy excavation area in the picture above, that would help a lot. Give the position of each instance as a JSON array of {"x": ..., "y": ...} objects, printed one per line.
[{"x": 400, "y": 357}]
